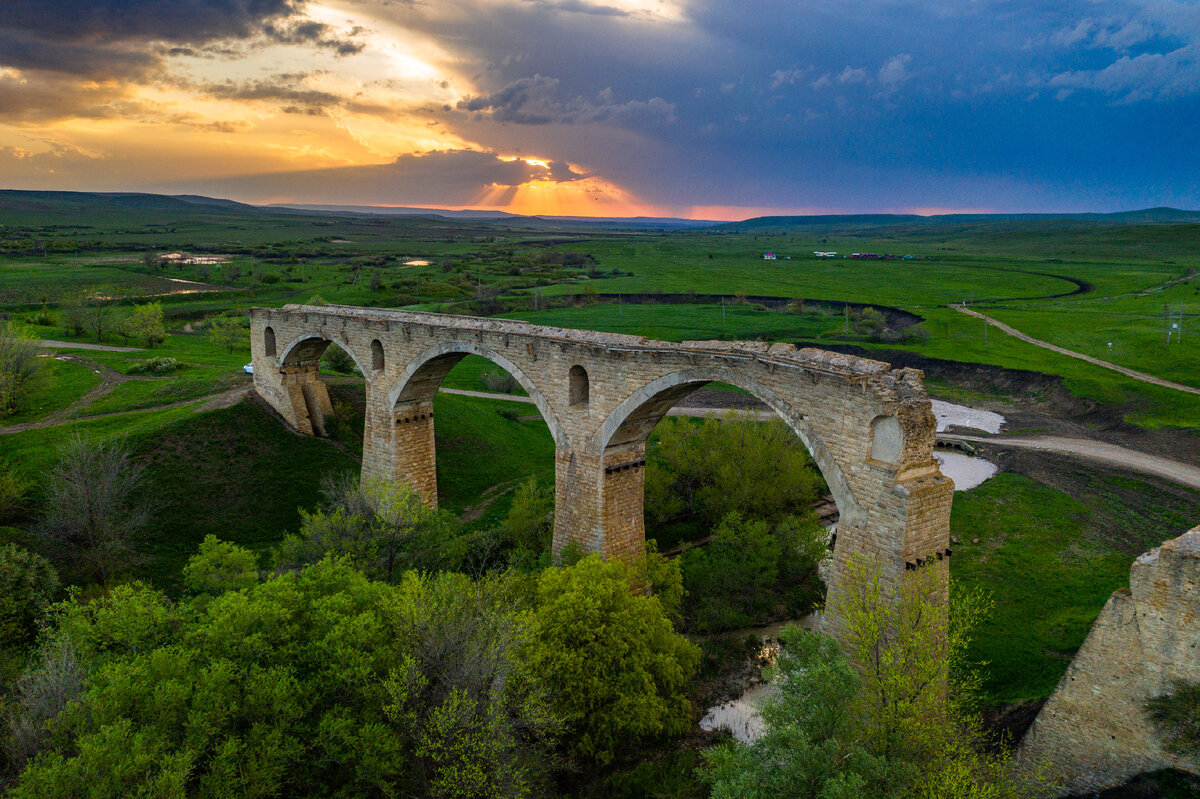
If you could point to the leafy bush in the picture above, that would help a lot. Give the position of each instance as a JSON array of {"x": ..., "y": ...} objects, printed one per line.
[
  {"x": 377, "y": 527},
  {"x": 19, "y": 367},
  {"x": 12, "y": 491},
  {"x": 320, "y": 683},
  {"x": 28, "y": 583},
  {"x": 219, "y": 567},
  {"x": 336, "y": 359},
  {"x": 703, "y": 472},
  {"x": 751, "y": 573},
  {"x": 155, "y": 366},
  {"x": 500, "y": 382},
  {"x": 530, "y": 521},
  {"x": 616, "y": 671},
  {"x": 878, "y": 716}
]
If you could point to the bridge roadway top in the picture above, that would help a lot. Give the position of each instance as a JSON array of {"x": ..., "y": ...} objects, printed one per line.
[{"x": 830, "y": 363}]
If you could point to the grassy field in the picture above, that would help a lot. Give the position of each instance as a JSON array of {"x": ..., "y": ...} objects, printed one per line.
[
  {"x": 59, "y": 384},
  {"x": 1050, "y": 550}
]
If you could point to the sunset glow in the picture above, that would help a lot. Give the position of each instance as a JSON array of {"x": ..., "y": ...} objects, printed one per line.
[{"x": 604, "y": 107}]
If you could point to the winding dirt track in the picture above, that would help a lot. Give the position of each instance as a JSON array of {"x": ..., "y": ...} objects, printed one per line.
[
  {"x": 1175, "y": 471},
  {"x": 1136, "y": 375}
]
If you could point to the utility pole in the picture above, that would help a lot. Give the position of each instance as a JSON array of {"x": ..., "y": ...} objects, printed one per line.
[{"x": 985, "y": 327}]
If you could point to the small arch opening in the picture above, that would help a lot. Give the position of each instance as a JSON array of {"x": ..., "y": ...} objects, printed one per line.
[
  {"x": 269, "y": 342},
  {"x": 579, "y": 389},
  {"x": 376, "y": 355}
]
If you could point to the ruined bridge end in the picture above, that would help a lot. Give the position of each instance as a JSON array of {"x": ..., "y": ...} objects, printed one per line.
[{"x": 1093, "y": 733}]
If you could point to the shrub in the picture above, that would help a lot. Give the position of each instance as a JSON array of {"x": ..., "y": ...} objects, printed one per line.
[
  {"x": 530, "y": 521},
  {"x": 89, "y": 503},
  {"x": 220, "y": 566},
  {"x": 702, "y": 472},
  {"x": 616, "y": 671},
  {"x": 320, "y": 683},
  {"x": 12, "y": 491},
  {"x": 19, "y": 367},
  {"x": 155, "y": 366},
  {"x": 28, "y": 584},
  {"x": 336, "y": 359},
  {"x": 500, "y": 382}
]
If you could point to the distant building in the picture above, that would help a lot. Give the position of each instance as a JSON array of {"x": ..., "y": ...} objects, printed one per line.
[
  {"x": 824, "y": 254},
  {"x": 769, "y": 256}
]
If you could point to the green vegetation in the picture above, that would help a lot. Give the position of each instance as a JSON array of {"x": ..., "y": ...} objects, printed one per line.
[
  {"x": 180, "y": 277},
  {"x": 880, "y": 716},
  {"x": 59, "y": 384}
]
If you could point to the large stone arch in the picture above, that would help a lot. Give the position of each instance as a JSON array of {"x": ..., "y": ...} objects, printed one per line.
[
  {"x": 631, "y": 422},
  {"x": 410, "y": 401},
  {"x": 309, "y": 346},
  {"x": 438, "y": 360},
  {"x": 306, "y": 403}
]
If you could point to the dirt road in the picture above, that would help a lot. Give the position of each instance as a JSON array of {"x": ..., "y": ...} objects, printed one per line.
[
  {"x": 1109, "y": 454},
  {"x": 1136, "y": 375},
  {"x": 78, "y": 345}
]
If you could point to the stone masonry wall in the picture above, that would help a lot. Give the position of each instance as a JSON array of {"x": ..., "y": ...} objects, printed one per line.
[
  {"x": 894, "y": 502},
  {"x": 1093, "y": 733}
]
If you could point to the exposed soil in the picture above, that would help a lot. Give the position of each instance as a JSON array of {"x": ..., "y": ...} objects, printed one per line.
[
  {"x": 897, "y": 318},
  {"x": 1038, "y": 403}
]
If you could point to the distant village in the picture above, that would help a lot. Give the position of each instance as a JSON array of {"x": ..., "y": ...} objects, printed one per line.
[{"x": 770, "y": 256}]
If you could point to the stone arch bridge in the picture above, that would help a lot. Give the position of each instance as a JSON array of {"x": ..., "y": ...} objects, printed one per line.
[{"x": 869, "y": 427}]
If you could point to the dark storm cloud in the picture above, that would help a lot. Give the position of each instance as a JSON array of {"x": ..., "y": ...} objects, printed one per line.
[
  {"x": 285, "y": 88},
  {"x": 122, "y": 39},
  {"x": 191, "y": 21},
  {"x": 315, "y": 33},
  {"x": 534, "y": 101},
  {"x": 1016, "y": 104},
  {"x": 449, "y": 177}
]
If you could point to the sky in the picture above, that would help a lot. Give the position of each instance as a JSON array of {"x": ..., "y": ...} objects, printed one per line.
[{"x": 707, "y": 109}]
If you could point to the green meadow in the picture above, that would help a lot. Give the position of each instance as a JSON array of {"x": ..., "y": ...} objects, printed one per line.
[{"x": 237, "y": 472}]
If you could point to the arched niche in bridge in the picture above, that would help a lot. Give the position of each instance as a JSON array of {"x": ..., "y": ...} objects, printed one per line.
[
  {"x": 269, "y": 342},
  {"x": 376, "y": 355},
  {"x": 411, "y": 404},
  {"x": 631, "y": 423},
  {"x": 578, "y": 389}
]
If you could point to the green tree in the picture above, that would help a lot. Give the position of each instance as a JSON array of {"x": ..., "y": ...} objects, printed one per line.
[
  {"x": 219, "y": 567},
  {"x": 529, "y": 524},
  {"x": 616, "y": 670},
  {"x": 811, "y": 747},
  {"x": 90, "y": 503},
  {"x": 28, "y": 583},
  {"x": 887, "y": 713},
  {"x": 227, "y": 332},
  {"x": 315, "y": 683},
  {"x": 705, "y": 471},
  {"x": 378, "y": 526},
  {"x": 19, "y": 367},
  {"x": 752, "y": 571},
  {"x": 147, "y": 323}
]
